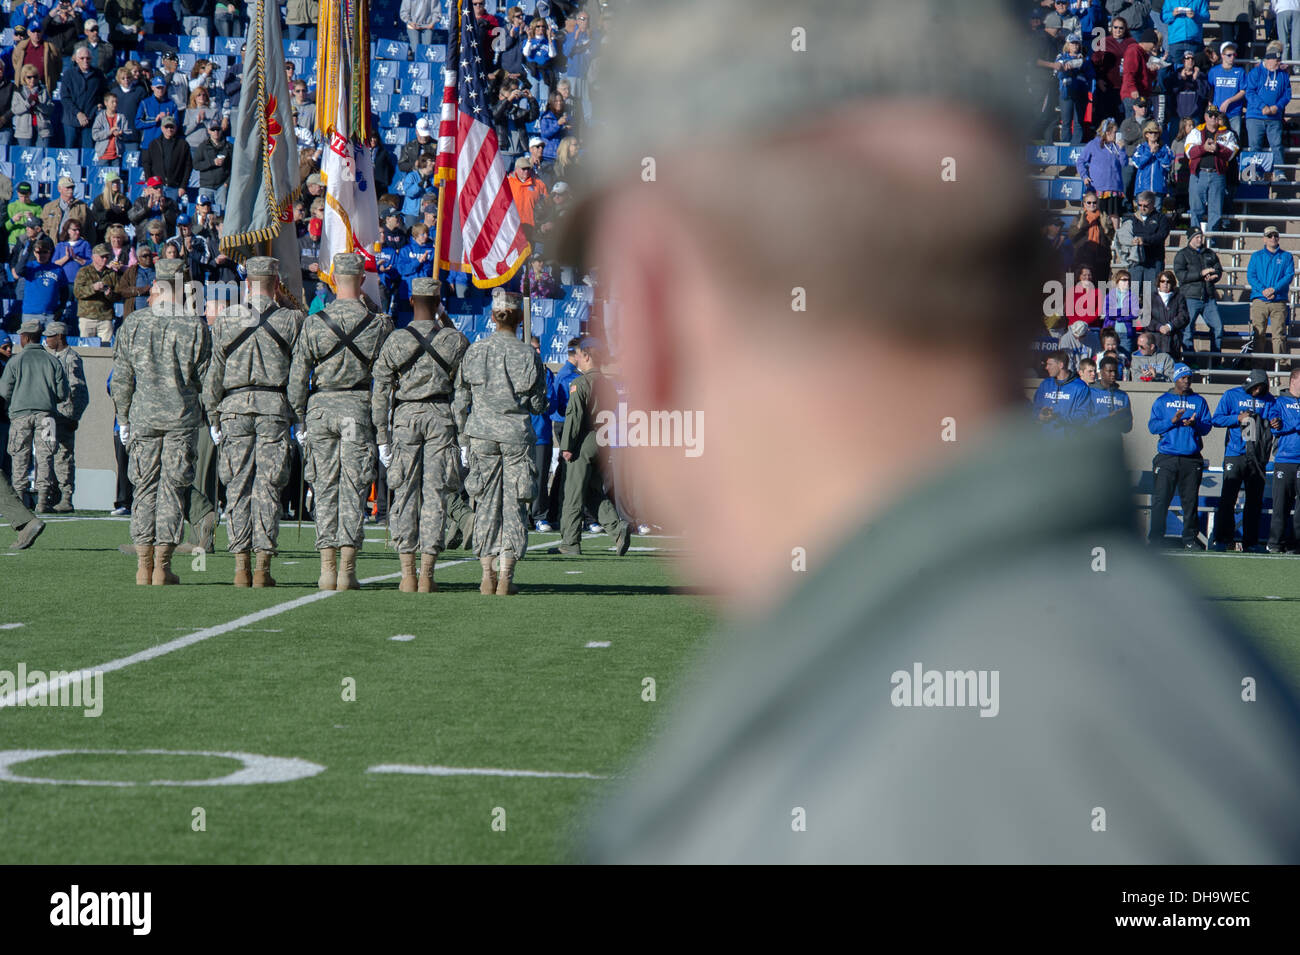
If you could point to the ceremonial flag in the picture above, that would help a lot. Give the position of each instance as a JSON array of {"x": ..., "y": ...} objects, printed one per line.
[
  {"x": 481, "y": 232},
  {"x": 351, "y": 220},
  {"x": 264, "y": 165}
]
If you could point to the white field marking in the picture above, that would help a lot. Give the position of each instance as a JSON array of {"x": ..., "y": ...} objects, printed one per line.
[
  {"x": 459, "y": 771},
  {"x": 260, "y": 630},
  {"x": 256, "y": 768},
  {"x": 403, "y": 637},
  {"x": 573, "y": 571},
  {"x": 1231, "y": 556},
  {"x": 1272, "y": 598},
  {"x": 641, "y": 548},
  {"x": 10, "y": 626},
  {"x": 598, "y": 643},
  {"x": 288, "y": 563},
  {"x": 180, "y": 643}
]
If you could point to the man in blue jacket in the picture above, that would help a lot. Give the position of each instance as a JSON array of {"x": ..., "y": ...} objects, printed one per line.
[
  {"x": 1111, "y": 409},
  {"x": 1268, "y": 90},
  {"x": 1286, "y": 458},
  {"x": 149, "y": 114},
  {"x": 1062, "y": 401},
  {"x": 1185, "y": 18},
  {"x": 82, "y": 88},
  {"x": 1243, "y": 411},
  {"x": 1180, "y": 418},
  {"x": 1269, "y": 275}
]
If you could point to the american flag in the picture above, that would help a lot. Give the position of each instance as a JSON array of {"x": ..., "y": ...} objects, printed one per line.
[{"x": 482, "y": 233}]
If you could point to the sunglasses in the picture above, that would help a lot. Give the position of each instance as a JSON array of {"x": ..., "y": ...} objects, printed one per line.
[{"x": 1090, "y": 203}]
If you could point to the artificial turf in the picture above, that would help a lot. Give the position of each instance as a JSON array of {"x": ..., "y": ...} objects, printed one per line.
[{"x": 486, "y": 682}]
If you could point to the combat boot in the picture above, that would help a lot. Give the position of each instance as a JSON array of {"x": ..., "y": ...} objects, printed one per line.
[
  {"x": 43, "y": 506},
  {"x": 27, "y": 534},
  {"x": 329, "y": 568},
  {"x": 64, "y": 507},
  {"x": 243, "y": 576},
  {"x": 427, "y": 584},
  {"x": 348, "y": 569},
  {"x": 144, "y": 565},
  {"x": 162, "y": 565},
  {"x": 488, "y": 585},
  {"x": 409, "y": 583},
  {"x": 262, "y": 573},
  {"x": 203, "y": 533},
  {"x": 505, "y": 579}
]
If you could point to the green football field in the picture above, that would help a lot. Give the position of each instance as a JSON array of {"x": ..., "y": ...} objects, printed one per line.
[{"x": 383, "y": 711}]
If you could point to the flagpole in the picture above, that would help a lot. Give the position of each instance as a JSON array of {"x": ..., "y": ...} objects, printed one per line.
[{"x": 453, "y": 58}]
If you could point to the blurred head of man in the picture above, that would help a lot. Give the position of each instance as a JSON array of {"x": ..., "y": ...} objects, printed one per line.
[
  {"x": 751, "y": 268},
  {"x": 1146, "y": 345},
  {"x": 1294, "y": 386}
]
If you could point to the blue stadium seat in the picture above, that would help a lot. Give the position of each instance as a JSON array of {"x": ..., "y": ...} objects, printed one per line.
[
  {"x": 131, "y": 158},
  {"x": 86, "y": 157},
  {"x": 385, "y": 69},
  {"x": 405, "y": 120},
  {"x": 412, "y": 104},
  {"x": 1068, "y": 189},
  {"x": 228, "y": 45},
  {"x": 1069, "y": 155},
  {"x": 98, "y": 174},
  {"x": 1042, "y": 188},
  {"x": 398, "y": 136},
  {"x": 135, "y": 190},
  {"x": 220, "y": 60},
  {"x": 1041, "y": 155},
  {"x": 198, "y": 44},
  {"x": 185, "y": 63},
  {"x": 300, "y": 48},
  {"x": 392, "y": 50},
  {"x": 383, "y": 84},
  {"x": 28, "y": 155},
  {"x": 435, "y": 53},
  {"x": 418, "y": 87},
  {"x": 416, "y": 70},
  {"x": 379, "y": 102}
]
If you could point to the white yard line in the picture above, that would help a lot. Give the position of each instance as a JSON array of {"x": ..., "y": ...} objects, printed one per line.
[{"x": 465, "y": 771}]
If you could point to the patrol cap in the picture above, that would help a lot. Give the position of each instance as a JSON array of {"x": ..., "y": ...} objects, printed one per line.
[
  {"x": 427, "y": 287},
  {"x": 1181, "y": 371},
  {"x": 349, "y": 263},
  {"x": 262, "y": 266},
  {"x": 167, "y": 120},
  {"x": 103, "y": 249},
  {"x": 56, "y": 328},
  {"x": 30, "y": 327},
  {"x": 503, "y": 301},
  {"x": 170, "y": 269},
  {"x": 66, "y": 181}
]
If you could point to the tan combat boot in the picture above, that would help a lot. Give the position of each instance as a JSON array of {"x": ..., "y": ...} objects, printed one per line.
[
  {"x": 243, "y": 576},
  {"x": 505, "y": 580},
  {"x": 162, "y": 565},
  {"x": 348, "y": 569},
  {"x": 262, "y": 573},
  {"x": 489, "y": 583},
  {"x": 329, "y": 568},
  {"x": 144, "y": 565},
  {"x": 409, "y": 582},
  {"x": 427, "y": 584}
]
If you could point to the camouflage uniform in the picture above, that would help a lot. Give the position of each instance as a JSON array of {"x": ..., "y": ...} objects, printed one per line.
[
  {"x": 499, "y": 384},
  {"x": 426, "y": 459},
  {"x": 340, "y": 453},
  {"x": 33, "y": 387},
  {"x": 59, "y": 474},
  {"x": 583, "y": 483},
  {"x": 160, "y": 358},
  {"x": 246, "y": 399}
]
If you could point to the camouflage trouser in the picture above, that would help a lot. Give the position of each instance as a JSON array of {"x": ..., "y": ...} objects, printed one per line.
[
  {"x": 24, "y": 430},
  {"x": 253, "y": 464},
  {"x": 502, "y": 482},
  {"x": 341, "y": 463},
  {"x": 584, "y": 487},
  {"x": 160, "y": 464},
  {"x": 56, "y": 467},
  {"x": 426, "y": 465}
]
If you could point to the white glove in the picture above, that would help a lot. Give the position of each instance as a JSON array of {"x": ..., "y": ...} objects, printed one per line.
[
  {"x": 123, "y": 435},
  {"x": 215, "y": 432},
  {"x": 464, "y": 456},
  {"x": 385, "y": 455},
  {"x": 300, "y": 435}
]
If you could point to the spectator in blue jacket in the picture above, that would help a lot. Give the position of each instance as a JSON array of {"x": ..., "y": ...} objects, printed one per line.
[
  {"x": 1152, "y": 160},
  {"x": 414, "y": 260},
  {"x": 45, "y": 289},
  {"x": 1076, "y": 77},
  {"x": 149, "y": 114},
  {"x": 1181, "y": 419},
  {"x": 1244, "y": 411},
  {"x": 1268, "y": 90},
  {"x": 1111, "y": 408},
  {"x": 554, "y": 125},
  {"x": 82, "y": 88},
  {"x": 1269, "y": 275},
  {"x": 1185, "y": 19},
  {"x": 1100, "y": 166},
  {"x": 1062, "y": 401},
  {"x": 579, "y": 48},
  {"x": 417, "y": 184},
  {"x": 1285, "y": 423},
  {"x": 26, "y": 11},
  {"x": 539, "y": 56},
  {"x": 1228, "y": 82}
]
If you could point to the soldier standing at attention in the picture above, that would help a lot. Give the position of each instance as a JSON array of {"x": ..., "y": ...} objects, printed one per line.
[
  {"x": 160, "y": 358},
  {"x": 33, "y": 386},
  {"x": 499, "y": 385},
  {"x": 336, "y": 353},
  {"x": 583, "y": 484},
  {"x": 246, "y": 399},
  {"x": 414, "y": 372},
  {"x": 58, "y": 476}
]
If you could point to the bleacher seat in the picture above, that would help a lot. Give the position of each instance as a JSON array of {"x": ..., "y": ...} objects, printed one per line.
[
  {"x": 1069, "y": 155},
  {"x": 409, "y": 103},
  {"x": 406, "y": 120},
  {"x": 418, "y": 87},
  {"x": 384, "y": 69},
  {"x": 1067, "y": 189},
  {"x": 299, "y": 64},
  {"x": 383, "y": 85},
  {"x": 300, "y": 48},
  {"x": 379, "y": 102},
  {"x": 415, "y": 70},
  {"x": 1041, "y": 155},
  {"x": 198, "y": 44},
  {"x": 229, "y": 45},
  {"x": 391, "y": 50},
  {"x": 433, "y": 53}
]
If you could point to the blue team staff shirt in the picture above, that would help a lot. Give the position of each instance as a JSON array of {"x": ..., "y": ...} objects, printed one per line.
[
  {"x": 1105, "y": 401},
  {"x": 1287, "y": 448},
  {"x": 1233, "y": 402},
  {"x": 43, "y": 289},
  {"x": 1227, "y": 84},
  {"x": 1070, "y": 401},
  {"x": 1179, "y": 437}
]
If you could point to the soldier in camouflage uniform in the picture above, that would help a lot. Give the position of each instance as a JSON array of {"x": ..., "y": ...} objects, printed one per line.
[
  {"x": 33, "y": 387},
  {"x": 499, "y": 384},
  {"x": 336, "y": 352},
  {"x": 245, "y": 396},
  {"x": 583, "y": 483},
  {"x": 414, "y": 373},
  {"x": 59, "y": 475},
  {"x": 160, "y": 358}
]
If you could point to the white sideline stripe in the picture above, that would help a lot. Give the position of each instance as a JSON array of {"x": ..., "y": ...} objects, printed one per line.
[
  {"x": 10, "y": 626},
  {"x": 597, "y": 644},
  {"x": 19, "y": 697},
  {"x": 459, "y": 771}
]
